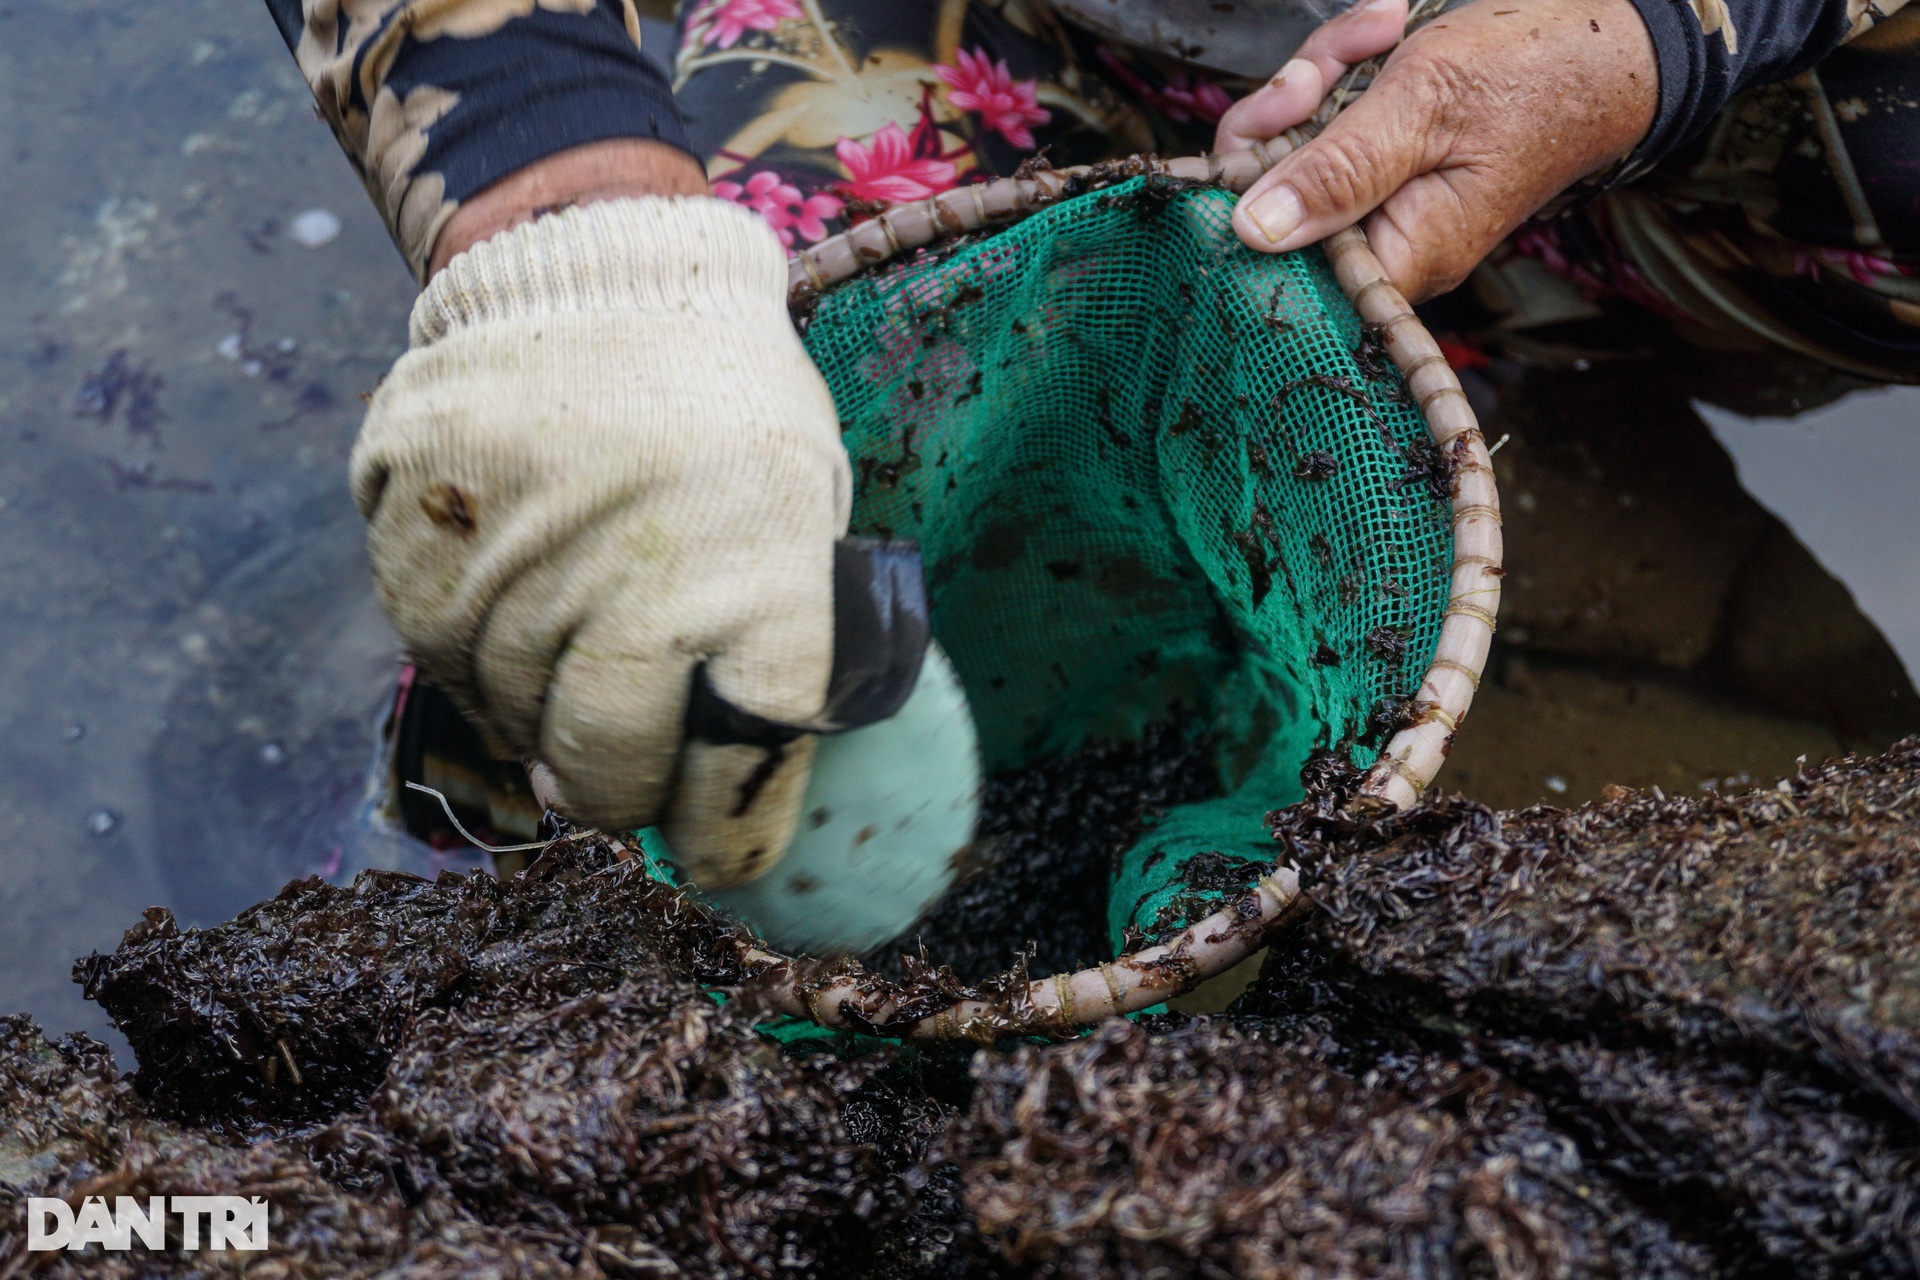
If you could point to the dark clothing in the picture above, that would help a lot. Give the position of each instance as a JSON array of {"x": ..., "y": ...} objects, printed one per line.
[
  {"x": 1712, "y": 50},
  {"x": 434, "y": 102}
]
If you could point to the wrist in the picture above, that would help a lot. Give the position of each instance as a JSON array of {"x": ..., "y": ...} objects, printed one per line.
[
  {"x": 692, "y": 258},
  {"x": 613, "y": 169}
]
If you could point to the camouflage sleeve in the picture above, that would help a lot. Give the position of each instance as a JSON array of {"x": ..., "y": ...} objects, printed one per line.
[
  {"x": 1710, "y": 50},
  {"x": 434, "y": 100}
]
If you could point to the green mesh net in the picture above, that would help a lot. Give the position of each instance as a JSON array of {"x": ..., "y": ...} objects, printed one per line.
[{"x": 1153, "y": 475}]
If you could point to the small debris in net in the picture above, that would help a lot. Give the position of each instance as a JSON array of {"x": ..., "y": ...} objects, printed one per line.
[
  {"x": 1318, "y": 464},
  {"x": 1033, "y": 165},
  {"x": 1377, "y": 366},
  {"x": 1330, "y": 779},
  {"x": 1103, "y": 413},
  {"x": 1427, "y": 468},
  {"x": 1389, "y": 715},
  {"x": 1388, "y": 644},
  {"x": 1259, "y": 568},
  {"x": 1151, "y": 198}
]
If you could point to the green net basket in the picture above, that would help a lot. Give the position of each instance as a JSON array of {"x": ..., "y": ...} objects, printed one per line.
[{"x": 1156, "y": 475}]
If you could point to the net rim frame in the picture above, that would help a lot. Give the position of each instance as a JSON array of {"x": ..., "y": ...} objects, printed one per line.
[{"x": 1412, "y": 757}]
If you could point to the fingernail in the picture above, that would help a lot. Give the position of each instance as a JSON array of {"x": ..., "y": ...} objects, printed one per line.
[{"x": 1277, "y": 212}]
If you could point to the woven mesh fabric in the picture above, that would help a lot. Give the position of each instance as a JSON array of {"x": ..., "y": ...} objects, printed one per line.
[{"x": 1152, "y": 474}]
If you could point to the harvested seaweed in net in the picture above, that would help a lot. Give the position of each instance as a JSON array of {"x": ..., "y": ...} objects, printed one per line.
[{"x": 1050, "y": 835}]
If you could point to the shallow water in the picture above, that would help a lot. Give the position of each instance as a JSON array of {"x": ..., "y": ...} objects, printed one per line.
[
  {"x": 191, "y": 662},
  {"x": 192, "y": 668}
]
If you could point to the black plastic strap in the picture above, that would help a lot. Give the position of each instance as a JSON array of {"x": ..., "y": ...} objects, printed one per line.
[{"x": 880, "y": 637}]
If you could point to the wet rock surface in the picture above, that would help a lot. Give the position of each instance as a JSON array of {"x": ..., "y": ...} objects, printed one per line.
[{"x": 1650, "y": 1037}]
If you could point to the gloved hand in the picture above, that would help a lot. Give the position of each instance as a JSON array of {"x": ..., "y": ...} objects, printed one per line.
[{"x": 605, "y": 459}]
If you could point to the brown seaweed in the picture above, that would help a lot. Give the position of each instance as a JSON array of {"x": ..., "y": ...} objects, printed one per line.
[
  {"x": 653, "y": 1135},
  {"x": 1059, "y": 822},
  {"x": 1715, "y": 995},
  {"x": 1651, "y": 1037},
  {"x": 1813, "y": 1187},
  {"x": 1247, "y": 1151},
  {"x": 292, "y": 1010}
]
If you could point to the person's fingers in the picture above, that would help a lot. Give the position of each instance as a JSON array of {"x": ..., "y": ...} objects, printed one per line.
[
  {"x": 1426, "y": 237},
  {"x": 615, "y": 710},
  {"x": 1285, "y": 100},
  {"x": 734, "y": 809},
  {"x": 546, "y": 787},
  {"x": 1388, "y": 136},
  {"x": 1365, "y": 31},
  {"x": 1362, "y": 32}
]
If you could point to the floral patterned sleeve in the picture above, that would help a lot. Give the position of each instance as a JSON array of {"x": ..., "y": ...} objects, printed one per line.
[
  {"x": 434, "y": 100},
  {"x": 812, "y": 111}
]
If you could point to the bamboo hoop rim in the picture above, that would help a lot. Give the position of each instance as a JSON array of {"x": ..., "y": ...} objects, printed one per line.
[{"x": 1414, "y": 754}]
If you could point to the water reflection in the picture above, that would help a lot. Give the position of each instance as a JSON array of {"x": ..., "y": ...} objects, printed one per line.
[
  {"x": 1660, "y": 626},
  {"x": 1844, "y": 477}
]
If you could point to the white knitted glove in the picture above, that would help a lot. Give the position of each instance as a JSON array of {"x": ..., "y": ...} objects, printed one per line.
[{"x": 606, "y": 458}]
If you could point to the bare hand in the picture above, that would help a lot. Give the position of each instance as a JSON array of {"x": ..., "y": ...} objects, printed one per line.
[{"x": 1476, "y": 121}]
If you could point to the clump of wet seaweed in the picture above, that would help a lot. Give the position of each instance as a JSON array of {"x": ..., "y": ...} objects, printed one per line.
[
  {"x": 1220, "y": 1150},
  {"x": 292, "y": 1010},
  {"x": 649, "y": 1109},
  {"x": 1780, "y": 923},
  {"x": 333, "y": 1213},
  {"x": 1715, "y": 994},
  {"x": 1807, "y": 1180},
  {"x": 641, "y": 1129},
  {"x": 1651, "y": 1037}
]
